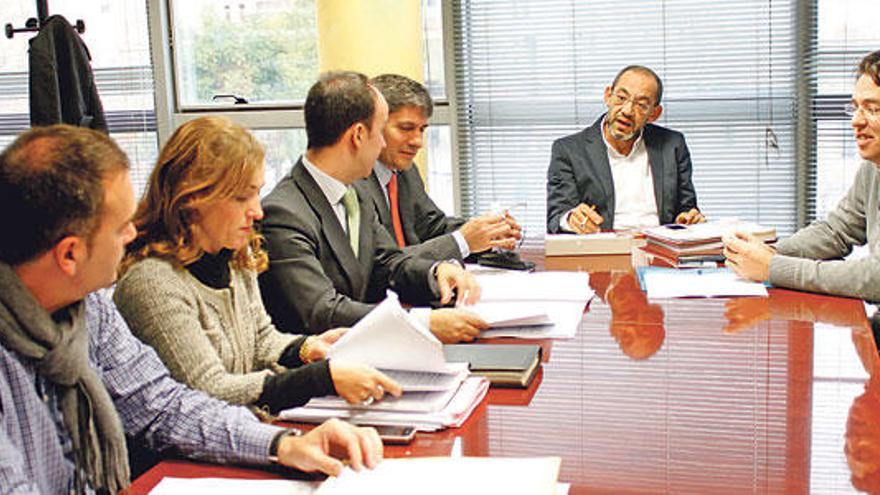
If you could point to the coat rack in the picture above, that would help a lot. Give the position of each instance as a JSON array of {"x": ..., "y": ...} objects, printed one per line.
[{"x": 33, "y": 24}]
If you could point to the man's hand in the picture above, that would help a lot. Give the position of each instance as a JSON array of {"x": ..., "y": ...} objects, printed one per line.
[
  {"x": 488, "y": 231},
  {"x": 584, "y": 219},
  {"x": 357, "y": 383},
  {"x": 689, "y": 217},
  {"x": 452, "y": 325},
  {"x": 319, "y": 345},
  {"x": 748, "y": 256},
  {"x": 321, "y": 448},
  {"x": 451, "y": 276}
]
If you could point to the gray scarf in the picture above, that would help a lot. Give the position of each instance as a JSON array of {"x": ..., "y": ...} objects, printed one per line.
[{"x": 59, "y": 347}]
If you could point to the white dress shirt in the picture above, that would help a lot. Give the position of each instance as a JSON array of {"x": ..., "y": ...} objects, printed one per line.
[
  {"x": 333, "y": 190},
  {"x": 635, "y": 206}
]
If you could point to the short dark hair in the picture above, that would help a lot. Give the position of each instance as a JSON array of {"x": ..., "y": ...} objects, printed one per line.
[
  {"x": 51, "y": 186},
  {"x": 870, "y": 66},
  {"x": 401, "y": 91},
  {"x": 336, "y": 102},
  {"x": 643, "y": 70}
]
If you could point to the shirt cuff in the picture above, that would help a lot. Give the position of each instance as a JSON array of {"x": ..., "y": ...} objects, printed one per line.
[
  {"x": 422, "y": 315},
  {"x": 462, "y": 244},
  {"x": 563, "y": 222}
]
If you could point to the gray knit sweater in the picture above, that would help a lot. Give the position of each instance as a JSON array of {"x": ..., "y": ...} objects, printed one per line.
[
  {"x": 220, "y": 341},
  {"x": 811, "y": 259}
]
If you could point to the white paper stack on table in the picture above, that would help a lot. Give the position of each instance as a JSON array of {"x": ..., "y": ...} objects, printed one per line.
[
  {"x": 423, "y": 475},
  {"x": 662, "y": 283},
  {"x": 678, "y": 245},
  {"x": 535, "y": 305},
  {"x": 436, "y": 394}
]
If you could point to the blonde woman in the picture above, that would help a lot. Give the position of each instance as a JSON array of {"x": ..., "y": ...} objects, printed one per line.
[{"x": 189, "y": 282}]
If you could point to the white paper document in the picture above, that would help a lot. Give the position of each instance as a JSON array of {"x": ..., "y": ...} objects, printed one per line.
[
  {"x": 231, "y": 486},
  {"x": 389, "y": 337},
  {"x": 453, "y": 414},
  {"x": 536, "y": 286},
  {"x": 565, "y": 318},
  {"x": 451, "y": 475},
  {"x": 510, "y": 314},
  {"x": 663, "y": 284}
]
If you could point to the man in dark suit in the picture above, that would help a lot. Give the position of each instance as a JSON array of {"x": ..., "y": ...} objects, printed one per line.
[
  {"x": 330, "y": 257},
  {"x": 409, "y": 215},
  {"x": 622, "y": 172}
]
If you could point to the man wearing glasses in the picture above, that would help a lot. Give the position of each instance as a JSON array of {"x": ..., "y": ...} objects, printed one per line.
[
  {"x": 622, "y": 172},
  {"x": 811, "y": 259}
]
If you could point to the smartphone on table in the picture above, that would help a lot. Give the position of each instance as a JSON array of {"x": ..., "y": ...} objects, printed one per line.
[{"x": 395, "y": 434}]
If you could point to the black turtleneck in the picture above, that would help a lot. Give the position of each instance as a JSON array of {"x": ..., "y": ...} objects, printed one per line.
[{"x": 291, "y": 388}]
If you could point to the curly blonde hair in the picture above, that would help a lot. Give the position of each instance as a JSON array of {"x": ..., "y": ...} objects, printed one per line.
[{"x": 207, "y": 159}]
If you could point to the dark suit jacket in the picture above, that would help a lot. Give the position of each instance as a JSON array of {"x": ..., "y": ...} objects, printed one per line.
[
  {"x": 314, "y": 281},
  {"x": 427, "y": 230},
  {"x": 580, "y": 173}
]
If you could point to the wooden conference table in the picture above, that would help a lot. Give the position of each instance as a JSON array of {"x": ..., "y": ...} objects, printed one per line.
[{"x": 747, "y": 395}]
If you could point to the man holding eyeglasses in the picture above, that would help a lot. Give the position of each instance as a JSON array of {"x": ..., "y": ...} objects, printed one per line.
[
  {"x": 811, "y": 259},
  {"x": 623, "y": 172}
]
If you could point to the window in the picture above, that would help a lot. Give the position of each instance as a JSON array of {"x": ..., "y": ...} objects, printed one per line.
[
  {"x": 117, "y": 37},
  {"x": 529, "y": 72},
  {"x": 264, "y": 51},
  {"x": 267, "y": 52},
  {"x": 846, "y": 32}
]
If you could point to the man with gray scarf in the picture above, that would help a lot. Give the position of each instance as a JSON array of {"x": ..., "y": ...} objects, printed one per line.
[{"x": 73, "y": 380}]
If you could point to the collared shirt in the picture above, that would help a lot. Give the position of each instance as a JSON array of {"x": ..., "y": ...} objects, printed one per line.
[
  {"x": 635, "y": 205},
  {"x": 383, "y": 173},
  {"x": 333, "y": 190},
  {"x": 35, "y": 450}
]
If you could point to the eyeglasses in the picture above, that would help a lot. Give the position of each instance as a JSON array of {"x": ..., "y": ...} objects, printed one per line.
[
  {"x": 869, "y": 112},
  {"x": 638, "y": 102}
]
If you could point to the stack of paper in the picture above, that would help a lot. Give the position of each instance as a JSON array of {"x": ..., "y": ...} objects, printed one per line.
[
  {"x": 423, "y": 475},
  {"x": 451, "y": 475},
  {"x": 436, "y": 394},
  {"x": 390, "y": 339},
  {"x": 403, "y": 411},
  {"x": 535, "y": 305},
  {"x": 680, "y": 245},
  {"x": 662, "y": 283}
]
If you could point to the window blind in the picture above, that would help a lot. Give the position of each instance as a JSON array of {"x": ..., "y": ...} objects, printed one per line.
[
  {"x": 531, "y": 71},
  {"x": 846, "y": 33}
]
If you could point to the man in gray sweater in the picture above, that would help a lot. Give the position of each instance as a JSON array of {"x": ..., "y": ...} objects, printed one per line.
[{"x": 812, "y": 258}]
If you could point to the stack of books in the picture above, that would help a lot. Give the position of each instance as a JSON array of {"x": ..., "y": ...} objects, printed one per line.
[{"x": 683, "y": 246}]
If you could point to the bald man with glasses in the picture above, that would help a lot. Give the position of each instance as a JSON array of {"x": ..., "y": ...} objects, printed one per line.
[
  {"x": 812, "y": 259},
  {"x": 623, "y": 172}
]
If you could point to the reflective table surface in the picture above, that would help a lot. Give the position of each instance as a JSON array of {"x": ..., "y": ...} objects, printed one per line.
[{"x": 738, "y": 395}]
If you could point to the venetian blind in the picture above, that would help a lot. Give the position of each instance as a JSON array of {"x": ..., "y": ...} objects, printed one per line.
[{"x": 531, "y": 71}]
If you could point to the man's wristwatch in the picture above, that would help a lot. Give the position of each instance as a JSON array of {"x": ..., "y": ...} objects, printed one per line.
[{"x": 276, "y": 442}]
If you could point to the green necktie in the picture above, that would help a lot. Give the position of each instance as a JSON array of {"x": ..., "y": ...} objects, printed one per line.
[{"x": 353, "y": 214}]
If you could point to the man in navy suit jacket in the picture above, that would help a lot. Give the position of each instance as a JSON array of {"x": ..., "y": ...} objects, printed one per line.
[{"x": 622, "y": 172}]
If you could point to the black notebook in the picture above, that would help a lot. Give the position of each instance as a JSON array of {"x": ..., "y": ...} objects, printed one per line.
[{"x": 505, "y": 365}]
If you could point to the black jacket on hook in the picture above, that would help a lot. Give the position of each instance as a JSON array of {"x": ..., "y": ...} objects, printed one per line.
[{"x": 62, "y": 86}]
